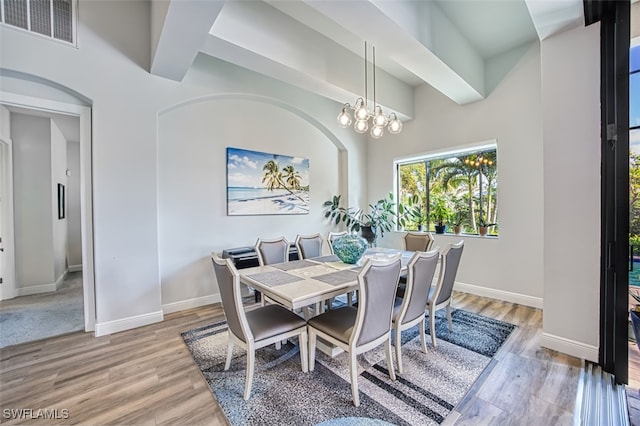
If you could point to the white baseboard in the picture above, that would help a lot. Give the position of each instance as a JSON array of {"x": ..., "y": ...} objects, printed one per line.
[
  {"x": 570, "y": 347},
  {"x": 61, "y": 279},
  {"x": 75, "y": 268},
  {"x": 110, "y": 327},
  {"x": 190, "y": 303},
  {"x": 506, "y": 296},
  {"x": 36, "y": 289}
]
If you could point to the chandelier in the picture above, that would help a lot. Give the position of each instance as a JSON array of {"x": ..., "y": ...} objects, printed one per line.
[{"x": 363, "y": 114}]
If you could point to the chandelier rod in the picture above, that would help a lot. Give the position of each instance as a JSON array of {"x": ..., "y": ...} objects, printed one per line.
[
  {"x": 366, "y": 92},
  {"x": 374, "y": 79}
]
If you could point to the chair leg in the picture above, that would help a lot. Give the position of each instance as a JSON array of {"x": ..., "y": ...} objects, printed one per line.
[
  {"x": 423, "y": 335},
  {"x": 398, "y": 348},
  {"x": 229, "y": 354},
  {"x": 312, "y": 350},
  {"x": 432, "y": 326},
  {"x": 350, "y": 298},
  {"x": 449, "y": 316},
  {"x": 304, "y": 356},
  {"x": 251, "y": 354},
  {"x": 353, "y": 368},
  {"x": 392, "y": 370}
]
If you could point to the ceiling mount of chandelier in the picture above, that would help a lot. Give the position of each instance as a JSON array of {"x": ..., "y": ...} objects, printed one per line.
[{"x": 362, "y": 114}]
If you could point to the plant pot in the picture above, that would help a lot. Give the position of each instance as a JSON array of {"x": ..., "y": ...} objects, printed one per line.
[
  {"x": 482, "y": 230},
  {"x": 420, "y": 228},
  {"x": 369, "y": 234},
  {"x": 440, "y": 229},
  {"x": 349, "y": 248},
  {"x": 457, "y": 229}
]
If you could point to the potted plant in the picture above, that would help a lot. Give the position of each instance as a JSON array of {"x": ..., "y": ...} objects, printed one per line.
[
  {"x": 457, "y": 221},
  {"x": 377, "y": 219},
  {"x": 440, "y": 214},
  {"x": 414, "y": 212},
  {"x": 483, "y": 226}
]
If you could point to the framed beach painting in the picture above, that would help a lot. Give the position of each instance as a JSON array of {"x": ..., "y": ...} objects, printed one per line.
[{"x": 259, "y": 183}]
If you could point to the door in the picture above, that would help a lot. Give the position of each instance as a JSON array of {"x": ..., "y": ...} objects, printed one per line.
[{"x": 614, "y": 99}]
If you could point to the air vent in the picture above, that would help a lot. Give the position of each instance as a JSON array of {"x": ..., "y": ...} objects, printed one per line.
[{"x": 50, "y": 18}]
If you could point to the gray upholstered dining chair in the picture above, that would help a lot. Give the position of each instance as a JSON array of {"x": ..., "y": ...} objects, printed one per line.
[
  {"x": 332, "y": 237},
  {"x": 272, "y": 251},
  {"x": 414, "y": 241},
  {"x": 440, "y": 296},
  {"x": 417, "y": 241},
  {"x": 357, "y": 330},
  {"x": 256, "y": 328},
  {"x": 309, "y": 246},
  {"x": 410, "y": 310}
]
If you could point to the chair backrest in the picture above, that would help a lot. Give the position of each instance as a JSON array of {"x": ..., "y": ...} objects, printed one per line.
[
  {"x": 272, "y": 251},
  {"x": 449, "y": 263},
  {"x": 332, "y": 237},
  {"x": 377, "y": 284},
  {"x": 420, "y": 271},
  {"x": 229, "y": 285},
  {"x": 418, "y": 241},
  {"x": 309, "y": 246}
]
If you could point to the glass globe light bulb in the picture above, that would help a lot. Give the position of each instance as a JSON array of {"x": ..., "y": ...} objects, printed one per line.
[
  {"x": 362, "y": 113},
  {"x": 377, "y": 132},
  {"x": 361, "y": 126},
  {"x": 379, "y": 119},
  {"x": 395, "y": 125},
  {"x": 344, "y": 119}
]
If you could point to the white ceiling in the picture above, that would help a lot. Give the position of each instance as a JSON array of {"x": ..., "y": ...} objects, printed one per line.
[{"x": 318, "y": 45}]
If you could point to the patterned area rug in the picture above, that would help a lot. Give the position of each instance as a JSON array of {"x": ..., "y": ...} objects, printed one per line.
[{"x": 429, "y": 389}]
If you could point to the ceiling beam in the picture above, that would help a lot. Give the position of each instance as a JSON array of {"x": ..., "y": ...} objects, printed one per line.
[{"x": 178, "y": 30}]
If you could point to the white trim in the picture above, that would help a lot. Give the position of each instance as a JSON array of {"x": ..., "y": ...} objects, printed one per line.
[
  {"x": 110, "y": 327},
  {"x": 86, "y": 188},
  {"x": 191, "y": 303},
  {"x": 570, "y": 347},
  {"x": 36, "y": 289},
  {"x": 447, "y": 152},
  {"x": 61, "y": 279},
  {"x": 75, "y": 268},
  {"x": 506, "y": 296},
  {"x": 8, "y": 290}
]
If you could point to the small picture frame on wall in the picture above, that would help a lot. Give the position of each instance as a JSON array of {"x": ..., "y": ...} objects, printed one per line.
[{"x": 61, "y": 200}]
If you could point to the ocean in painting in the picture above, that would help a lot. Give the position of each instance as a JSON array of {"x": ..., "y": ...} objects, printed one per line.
[{"x": 239, "y": 193}]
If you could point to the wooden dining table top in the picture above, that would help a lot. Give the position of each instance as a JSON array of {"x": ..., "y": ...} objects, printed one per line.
[{"x": 300, "y": 283}]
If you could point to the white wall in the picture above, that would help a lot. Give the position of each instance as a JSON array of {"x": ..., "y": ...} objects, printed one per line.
[
  {"x": 192, "y": 171},
  {"x": 509, "y": 267},
  {"x": 32, "y": 192},
  {"x": 571, "y": 123},
  {"x": 125, "y": 111},
  {"x": 59, "y": 226},
  {"x": 74, "y": 249}
]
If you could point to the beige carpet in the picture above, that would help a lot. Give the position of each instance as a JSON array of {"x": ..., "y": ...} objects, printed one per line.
[{"x": 35, "y": 317}]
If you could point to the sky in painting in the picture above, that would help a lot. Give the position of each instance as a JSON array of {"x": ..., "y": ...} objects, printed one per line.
[{"x": 244, "y": 167}]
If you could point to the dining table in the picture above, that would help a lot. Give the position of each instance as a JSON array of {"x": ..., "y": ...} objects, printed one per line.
[
  {"x": 303, "y": 284},
  {"x": 299, "y": 284}
]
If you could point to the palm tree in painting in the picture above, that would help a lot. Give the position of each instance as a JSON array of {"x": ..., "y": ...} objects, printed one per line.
[
  {"x": 273, "y": 178},
  {"x": 292, "y": 177}
]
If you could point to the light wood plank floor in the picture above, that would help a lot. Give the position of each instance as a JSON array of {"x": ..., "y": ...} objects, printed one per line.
[{"x": 147, "y": 377}]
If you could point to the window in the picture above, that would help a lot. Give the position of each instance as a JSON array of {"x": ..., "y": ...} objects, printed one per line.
[
  {"x": 445, "y": 191},
  {"x": 51, "y": 18}
]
